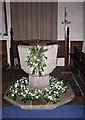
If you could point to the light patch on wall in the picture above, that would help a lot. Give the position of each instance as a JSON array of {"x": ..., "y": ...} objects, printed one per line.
[
  {"x": 60, "y": 61},
  {"x": 83, "y": 28},
  {"x": 0, "y": 20}
]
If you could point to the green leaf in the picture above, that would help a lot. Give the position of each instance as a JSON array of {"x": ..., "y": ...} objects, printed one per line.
[{"x": 38, "y": 57}]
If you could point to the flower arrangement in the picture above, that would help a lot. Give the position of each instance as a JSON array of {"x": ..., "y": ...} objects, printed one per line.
[
  {"x": 19, "y": 90},
  {"x": 52, "y": 94},
  {"x": 36, "y": 59}
]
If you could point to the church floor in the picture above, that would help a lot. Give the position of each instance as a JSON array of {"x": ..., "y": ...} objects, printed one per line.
[{"x": 9, "y": 76}]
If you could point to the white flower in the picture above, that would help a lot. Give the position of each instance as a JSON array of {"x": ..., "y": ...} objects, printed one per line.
[
  {"x": 56, "y": 85},
  {"x": 16, "y": 91},
  {"x": 65, "y": 87},
  {"x": 16, "y": 85},
  {"x": 21, "y": 93},
  {"x": 53, "y": 83},
  {"x": 24, "y": 95},
  {"x": 50, "y": 88},
  {"x": 30, "y": 93},
  {"x": 49, "y": 92},
  {"x": 56, "y": 92},
  {"x": 39, "y": 91},
  {"x": 12, "y": 95},
  {"x": 38, "y": 60},
  {"x": 35, "y": 57},
  {"x": 59, "y": 88},
  {"x": 33, "y": 94},
  {"x": 54, "y": 99},
  {"x": 22, "y": 81},
  {"x": 34, "y": 63},
  {"x": 58, "y": 82},
  {"x": 54, "y": 95},
  {"x": 12, "y": 90},
  {"x": 17, "y": 81},
  {"x": 56, "y": 88},
  {"x": 21, "y": 86},
  {"x": 26, "y": 91},
  {"x": 38, "y": 46},
  {"x": 26, "y": 81},
  {"x": 35, "y": 89},
  {"x": 61, "y": 82},
  {"x": 30, "y": 62},
  {"x": 46, "y": 89},
  {"x": 50, "y": 97},
  {"x": 36, "y": 97}
]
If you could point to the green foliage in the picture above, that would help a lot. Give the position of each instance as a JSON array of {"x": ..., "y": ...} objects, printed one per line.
[
  {"x": 36, "y": 59},
  {"x": 52, "y": 94}
]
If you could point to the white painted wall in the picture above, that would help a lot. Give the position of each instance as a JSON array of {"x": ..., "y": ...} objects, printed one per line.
[
  {"x": 60, "y": 62},
  {"x": 84, "y": 27},
  {"x": 75, "y": 15},
  {"x": 8, "y": 26},
  {"x": 0, "y": 20}
]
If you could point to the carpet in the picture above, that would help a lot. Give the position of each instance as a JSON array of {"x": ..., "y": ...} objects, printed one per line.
[{"x": 64, "y": 111}]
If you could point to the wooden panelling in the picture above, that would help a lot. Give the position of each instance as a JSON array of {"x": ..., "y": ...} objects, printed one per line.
[
  {"x": 0, "y": 47},
  {"x": 3, "y": 47},
  {"x": 61, "y": 48},
  {"x": 15, "y": 43},
  {"x": 78, "y": 58},
  {"x": 3, "y": 52},
  {"x": 78, "y": 44},
  {"x": 5, "y": 19}
]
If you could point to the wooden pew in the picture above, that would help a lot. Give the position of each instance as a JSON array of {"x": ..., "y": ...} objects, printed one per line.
[{"x": 78, "y": 68}]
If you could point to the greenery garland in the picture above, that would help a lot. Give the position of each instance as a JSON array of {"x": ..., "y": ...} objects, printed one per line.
[
  {"x": 19, "y": 91},
  {"x": 36, "y": 59}
]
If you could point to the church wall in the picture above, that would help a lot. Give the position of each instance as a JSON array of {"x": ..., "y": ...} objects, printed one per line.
[
  {"x": 84, "y": 27},
  {"x": 75, "y": 15}
]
